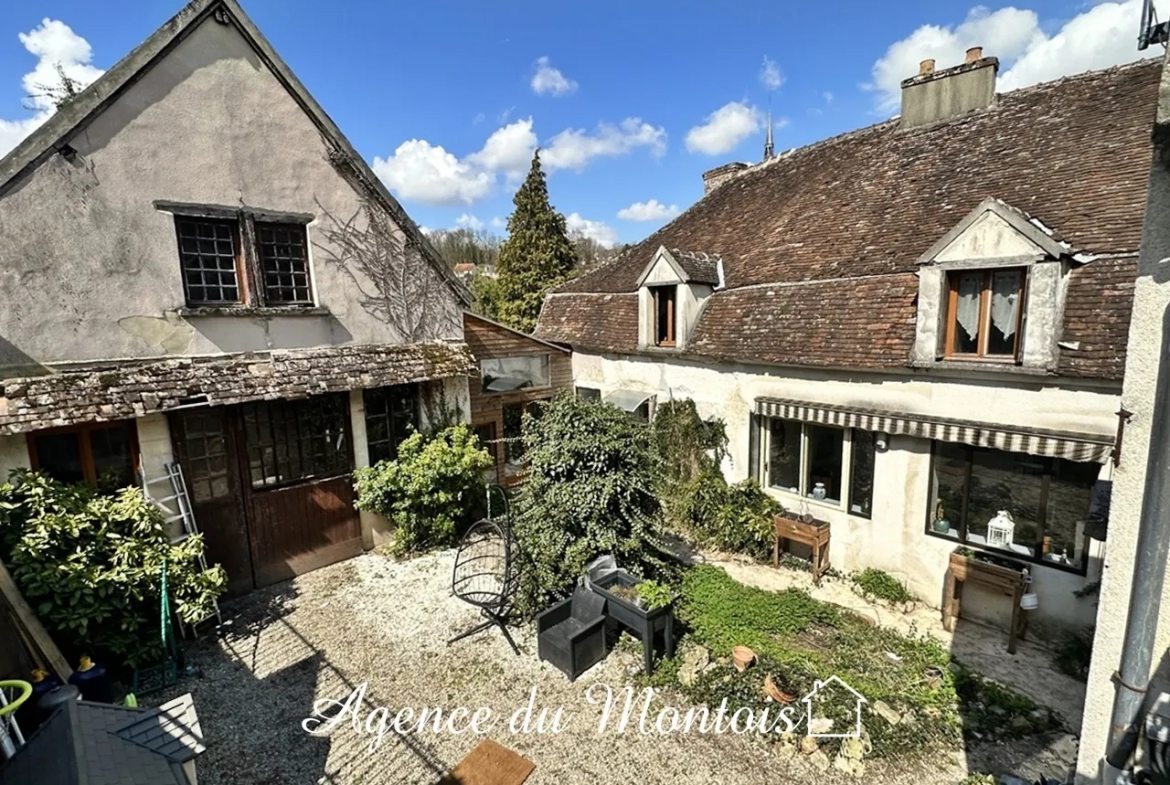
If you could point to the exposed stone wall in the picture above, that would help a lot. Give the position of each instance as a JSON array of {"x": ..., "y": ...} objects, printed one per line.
[{"x": 117, "y": 391}]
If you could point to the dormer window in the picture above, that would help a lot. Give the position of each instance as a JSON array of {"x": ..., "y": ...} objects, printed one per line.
[
  {"x": 984, "y": 313},
  {"x": 671, "y": 290},
  {"x": 991, "y": 292},
  {"x": 664, "y": 314}
]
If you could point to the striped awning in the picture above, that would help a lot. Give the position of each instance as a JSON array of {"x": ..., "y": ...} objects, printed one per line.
[{"x": 1033, "y": 441}]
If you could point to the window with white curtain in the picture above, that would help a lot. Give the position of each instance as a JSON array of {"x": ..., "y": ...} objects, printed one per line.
[{"x": 985, "y": 313}]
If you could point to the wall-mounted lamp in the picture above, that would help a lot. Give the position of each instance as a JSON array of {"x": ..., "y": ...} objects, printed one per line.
[{"x": 881, "y": 443}]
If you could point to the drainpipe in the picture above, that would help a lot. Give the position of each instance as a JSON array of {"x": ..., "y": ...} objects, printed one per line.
[{"x": 1149, "y": 573}]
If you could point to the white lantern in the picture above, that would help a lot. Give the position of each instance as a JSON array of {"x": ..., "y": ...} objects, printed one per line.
[{"x": 1001, "y": 530}]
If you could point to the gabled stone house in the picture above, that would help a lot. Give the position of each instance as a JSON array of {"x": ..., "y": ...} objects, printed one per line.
[
  {"x": 196, "y": 265},
  {"x": 909, "y": 327}
]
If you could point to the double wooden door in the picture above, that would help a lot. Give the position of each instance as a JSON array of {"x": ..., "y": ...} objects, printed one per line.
[{"x": 271, "y": 486}]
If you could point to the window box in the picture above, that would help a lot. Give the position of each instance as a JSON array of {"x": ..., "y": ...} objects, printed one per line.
[{"x": 642, "y": 623}]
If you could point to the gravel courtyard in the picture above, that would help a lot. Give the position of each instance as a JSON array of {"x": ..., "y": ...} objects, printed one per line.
[{"x": 385, "y": 623}]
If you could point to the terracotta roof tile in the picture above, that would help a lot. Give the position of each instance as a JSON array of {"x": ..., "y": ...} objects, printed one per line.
[
  {"x": 701, "y": 267},
  {"x": 1073, "y": 154},
  {"x": 607, "y": 322}
]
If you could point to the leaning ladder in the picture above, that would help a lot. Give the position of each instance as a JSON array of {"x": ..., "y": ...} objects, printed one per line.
[{"x": 178, "y": 496}]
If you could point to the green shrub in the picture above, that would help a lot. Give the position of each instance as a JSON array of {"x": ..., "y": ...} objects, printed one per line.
[
  {"x": 728, "y": 517},
  {"x": 882, "y": 586},
  {"x": 654, "y": 594},
  {"x": 588, "y": 492},
  {"x": 431, "y": 491},
  {"x": 685, "y": 445},
  {"x": 90, "y": 564}
]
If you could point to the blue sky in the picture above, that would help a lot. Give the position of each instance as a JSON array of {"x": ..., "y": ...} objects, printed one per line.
[{"x": 632, "y": 101}]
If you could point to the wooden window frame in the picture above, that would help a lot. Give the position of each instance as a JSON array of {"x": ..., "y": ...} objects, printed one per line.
[
  {"x": 263, "y": 287},
  {"x": 85, "y": 446},
  {"x": 250, "y": 272},
  {"x": 1037, "y": 557},
  {"x": 981, "y": 354},
  {"x": 671, "y": 315},
  {"x": 242, "y": 289}
]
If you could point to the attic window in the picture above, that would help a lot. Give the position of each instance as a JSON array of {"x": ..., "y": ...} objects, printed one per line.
[
  {"x": 664, "y": 314},
  {"x": 985, "y": 314}
]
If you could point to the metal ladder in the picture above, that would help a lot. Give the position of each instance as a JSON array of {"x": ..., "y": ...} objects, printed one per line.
[{"x": 177, "y": 485}]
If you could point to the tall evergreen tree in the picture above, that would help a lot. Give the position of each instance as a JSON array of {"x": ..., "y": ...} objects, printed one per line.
[{"x": 537, "y": 255}]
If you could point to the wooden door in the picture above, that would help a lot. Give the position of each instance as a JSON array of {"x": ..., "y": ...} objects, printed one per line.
[
  {"x": 206, "y": 449},
  {"x": 298, "y": 486}
]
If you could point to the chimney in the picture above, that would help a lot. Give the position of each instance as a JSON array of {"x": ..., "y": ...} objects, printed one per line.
[
  {"x": 713, "y": 178},
  {"x": 937, "y": 96}
]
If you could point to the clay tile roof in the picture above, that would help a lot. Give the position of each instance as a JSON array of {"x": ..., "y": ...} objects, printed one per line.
[
  {"x": 1071, "y": 156},
  {"x": 701, "y": 267}
]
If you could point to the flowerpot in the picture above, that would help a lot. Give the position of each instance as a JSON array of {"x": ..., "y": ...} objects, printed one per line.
[
  {"x": 742, "y": 657},
  {"x": 775, "y": 692},
  {"x": 941, "y": 526}
]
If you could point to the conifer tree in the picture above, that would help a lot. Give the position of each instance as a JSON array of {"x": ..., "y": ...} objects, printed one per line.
[{"x": 537, "y": 255}]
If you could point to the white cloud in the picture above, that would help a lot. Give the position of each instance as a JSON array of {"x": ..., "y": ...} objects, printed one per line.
[
  {"x": 427, "y": 173},
  {"x": 575, "y": 148},
  {"x": 725, "y": 128},
  {"x": 770, "y": 76},
  {"x": 595, "y": 230},
  {"x": 423, "y": 172},
  {"x": 550, "y": 81},
  {"x": 828, "y": 97},
  {"x": 652, "y": 210},
  {"x": 56, "y": 46},
  {"x": 508, "y": 150},
  {"x": 498, "y": 223},
  {"x": 1102, "y": 36},
  {"x": 469, "y": 221}
]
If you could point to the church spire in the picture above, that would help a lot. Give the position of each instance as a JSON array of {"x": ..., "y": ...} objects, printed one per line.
[{"x": 769, "y": 149}]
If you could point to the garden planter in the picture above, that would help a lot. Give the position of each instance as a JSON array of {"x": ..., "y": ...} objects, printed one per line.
[
  {"x": 641, "y": 622},
  {"x": 742, "y": 656},
  {"x": 775, "y": 693}
]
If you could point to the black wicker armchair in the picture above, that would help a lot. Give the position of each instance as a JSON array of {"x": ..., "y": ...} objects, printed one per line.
[{"x": 571, "y": 634}]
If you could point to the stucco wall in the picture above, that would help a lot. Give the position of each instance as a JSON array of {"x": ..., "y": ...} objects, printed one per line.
[
  {"x": 1144, "y": 350},
  {"x": 13, "y": 454},
  {"x": 89, "y": 268},
  {"x": 894, "y": 539}
]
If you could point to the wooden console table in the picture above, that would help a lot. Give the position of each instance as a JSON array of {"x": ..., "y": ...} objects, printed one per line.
[
  {"x": 814, "y": 534},
  {"x": 1001, "y": 579}
]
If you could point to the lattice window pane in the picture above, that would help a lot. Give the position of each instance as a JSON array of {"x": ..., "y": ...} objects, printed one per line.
[
  {"x": 208, "y": 253},
  {"x": 284, "y": 264}
]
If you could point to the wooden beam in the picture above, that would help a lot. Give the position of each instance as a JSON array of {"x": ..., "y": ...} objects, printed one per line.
[{"x": 32, "y": 625}]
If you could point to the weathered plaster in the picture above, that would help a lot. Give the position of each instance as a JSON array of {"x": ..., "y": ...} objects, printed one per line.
[
  {"x": 13, "y": 455},
  {"x": 89, "y": 268},
  {"x": 1144, "y": 352},
  {"x": 894, "y": 539},
  {"x": 986, "y": 238}
]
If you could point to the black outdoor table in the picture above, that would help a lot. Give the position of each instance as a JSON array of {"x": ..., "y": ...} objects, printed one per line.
[{"x": 640, "y": 622}]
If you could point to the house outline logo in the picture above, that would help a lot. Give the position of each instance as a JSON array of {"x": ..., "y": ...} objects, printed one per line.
[{"x": 807, "y": 700}]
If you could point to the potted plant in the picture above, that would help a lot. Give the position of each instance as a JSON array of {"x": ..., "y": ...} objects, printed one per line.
[{"x": 642, "y": 611}]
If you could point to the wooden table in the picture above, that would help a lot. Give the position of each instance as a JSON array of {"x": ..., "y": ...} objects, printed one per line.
[
  {"x": 814, "y": 534},
  {"x": 1000, "y": 579}
]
